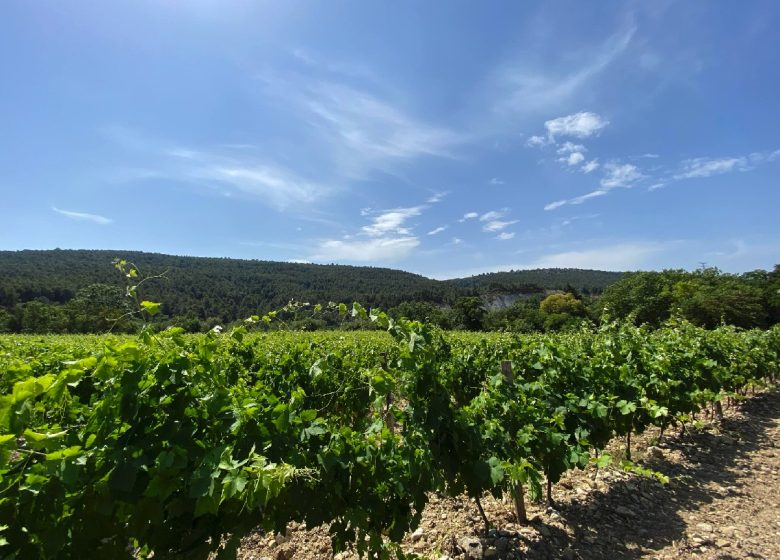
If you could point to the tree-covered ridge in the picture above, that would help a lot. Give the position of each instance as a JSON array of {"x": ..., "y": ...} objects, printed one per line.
[
  {"x": 586, "y": 281},
  {"x": 49, "y": 291},
  {"x": 209, "y": 287}
]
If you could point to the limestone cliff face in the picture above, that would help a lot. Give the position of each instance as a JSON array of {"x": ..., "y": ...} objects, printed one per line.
[{"x": 497, "y": 301}]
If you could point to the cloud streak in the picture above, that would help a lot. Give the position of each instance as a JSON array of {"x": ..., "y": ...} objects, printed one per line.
[
  {"x": 707, "y": 167},
  {"x": 83, "y": 216},
  {"x": 529, "y": 89}
]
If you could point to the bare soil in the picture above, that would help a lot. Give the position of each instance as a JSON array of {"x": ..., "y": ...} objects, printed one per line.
[{"x": 722, "y": 502}]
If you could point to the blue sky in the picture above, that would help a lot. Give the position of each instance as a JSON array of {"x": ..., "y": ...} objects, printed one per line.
[{"x": 445, "y": 138}]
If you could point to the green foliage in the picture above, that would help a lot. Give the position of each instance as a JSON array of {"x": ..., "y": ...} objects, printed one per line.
[
  {"x": 564, "y": 303},
  {"x": 706, "y": 297},
  {"x": 469, "y": 313},
  {"x": 177, "y": 445},
  {"x": 200, "y": 293}
]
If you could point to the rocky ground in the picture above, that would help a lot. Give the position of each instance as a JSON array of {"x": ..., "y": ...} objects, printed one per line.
[{"x": 722, "y": 501}]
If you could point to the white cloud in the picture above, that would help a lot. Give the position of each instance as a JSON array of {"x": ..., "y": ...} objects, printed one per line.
[
  {"x": 370, "y": 250},
  {"x": 469, "y": 216},
  {"x": 457, "y": 241},
  {"x": 386, "y": 238},
  {"x": 537, "y": 141},
  {"x": 582, "y": 198},
  {"x": 278, "y": 187},
  {"x": 578, "y": 125},
  {"x": 363, "y": 132},
  {"x": 493, "y": 215},
  {"x": 572, "y": 154},
  {"x": 438, "y": 197},
  {"x": 83, "y": 216},
  {"x": 497, "y": 225},
  {"x": 617, "y": 175},
  {"x": 623, "y": 256},
  {"x": 650, "y": 156},
  {"x": 525, "y": 88},
  {"x": 556, "y": 204},
  {"x": 392, "y": 222},
  {"x": 592, "y": 165},
  {"x": 437, "y": 230},
  {"x": 496, "y": 181},
  {"x": 505, "y": 235},
  {"x": 570, "y": 147},
  {"x": 706, "y": 167}
]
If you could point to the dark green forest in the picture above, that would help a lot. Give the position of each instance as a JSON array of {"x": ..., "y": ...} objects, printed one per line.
[{"x": 81, "y": 292}]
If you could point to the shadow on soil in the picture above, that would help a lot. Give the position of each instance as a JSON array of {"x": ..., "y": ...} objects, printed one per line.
[{"x": 634, "y": 517}]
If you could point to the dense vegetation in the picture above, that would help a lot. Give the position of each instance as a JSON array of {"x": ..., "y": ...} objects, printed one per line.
[
  {"x": 47, "y": 291},
  {"x": 178, "y": 445},
  {"x": 79, "y": 292},
  {"x": 705, "y": 297}
]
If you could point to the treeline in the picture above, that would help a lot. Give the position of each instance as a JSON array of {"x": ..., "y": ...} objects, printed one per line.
[
  {"x": 65, "y": 291},
  {"x": 706, "y": 297},
  {"x": 80, "y": 292}
]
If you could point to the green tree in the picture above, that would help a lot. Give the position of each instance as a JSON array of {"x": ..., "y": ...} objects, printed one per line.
[
  {"x": 100, "y": 308},
  {"x": 565, "y": 304},
  {"x": 708, "y": 298},
  {"x": 39, "y": 316},
  {"x": 646, "y": 296},
  {"x": 469, "y": 313}
]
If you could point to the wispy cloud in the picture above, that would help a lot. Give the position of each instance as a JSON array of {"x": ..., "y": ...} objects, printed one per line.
[
  {"x": 571, "y": 154},
  {"x": 83, "y": 216},
  {"x": 578, "y": 125},
  {"x": 493, "y": 215},
  {"x": 366, "y": 250},
  {"x": 437, "y": 197},
  {"x": 388, "y": 237},
  {"x": 527, "y": 88},
  {"x": 592, "y": 165},
  {"x": 505, "y": 235},
  {"x": 391, "y": 222},
  {"x": 620, "y": 175},
  {"x": 362, "y": 132},
  {"x": 626, "y": 175},
  {"x": 706, "y": 167},
  {"x": 556, "y": 204},
  {"x": 616, "y": 175},
  {"x": 497, "y": 225},
  {"x": 226, "y": 169},
  {"x": 622, "y": 256},
  {"x": 496, "y": 181},
  {"x": 279, "y": 188},
  {"x": 469, "y": 216}
]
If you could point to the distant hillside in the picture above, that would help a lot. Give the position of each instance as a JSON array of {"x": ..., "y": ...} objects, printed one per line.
[
  {"x": 232, "y": 288},
  {"x": 211, "y": 287},
  {"x": 586, "y": 281}
]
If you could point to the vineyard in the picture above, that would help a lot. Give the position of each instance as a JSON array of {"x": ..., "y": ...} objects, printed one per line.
[{"x": 178, "y": 445}]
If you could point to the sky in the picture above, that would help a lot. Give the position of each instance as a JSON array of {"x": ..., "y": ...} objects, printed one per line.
[{"x": 444, "y": 138}]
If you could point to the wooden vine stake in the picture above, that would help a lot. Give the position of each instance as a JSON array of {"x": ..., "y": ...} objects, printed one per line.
[{"x": 515, "y": 489}]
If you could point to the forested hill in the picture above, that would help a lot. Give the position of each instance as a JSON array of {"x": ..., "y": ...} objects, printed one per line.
[
  {"x": 232, "y": 288},
  {"x": 586, "y": 281},
  {"x": 210, "y": 287}
]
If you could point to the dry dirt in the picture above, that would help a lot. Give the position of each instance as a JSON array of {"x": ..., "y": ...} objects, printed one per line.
[{"x": 722, "y": 501}]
